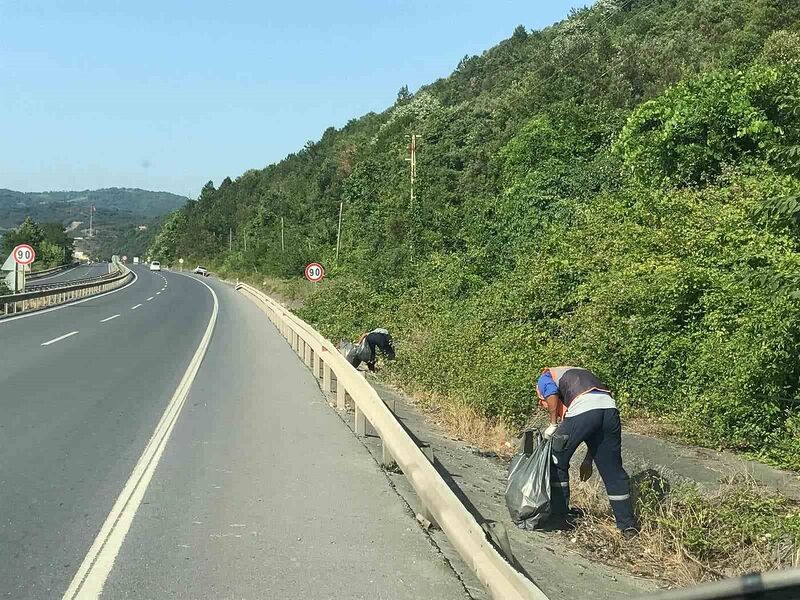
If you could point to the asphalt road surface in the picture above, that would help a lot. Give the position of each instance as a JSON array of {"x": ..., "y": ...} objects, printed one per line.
[{"x": 119, "y": 481}]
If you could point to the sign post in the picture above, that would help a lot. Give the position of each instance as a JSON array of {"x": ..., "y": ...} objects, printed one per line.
[{"x": 314, "y": 272}]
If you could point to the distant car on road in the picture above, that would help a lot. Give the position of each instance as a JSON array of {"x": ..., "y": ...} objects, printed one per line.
[
  {"x": 201, "y": 271},
  {"x": 155, "y": 266}
]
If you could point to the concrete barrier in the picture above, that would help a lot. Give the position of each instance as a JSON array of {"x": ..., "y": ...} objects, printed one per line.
[{"x": 498, "y": 576}]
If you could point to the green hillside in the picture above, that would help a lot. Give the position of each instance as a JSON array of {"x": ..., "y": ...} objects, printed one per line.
[
  {"x": 66, "y": 206},
  {"x": 120, "y": 212},
  {"x": 619, "y": 190}
]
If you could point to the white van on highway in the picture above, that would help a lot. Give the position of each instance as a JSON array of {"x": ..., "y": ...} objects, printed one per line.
[{"x": 155, "y": 266}]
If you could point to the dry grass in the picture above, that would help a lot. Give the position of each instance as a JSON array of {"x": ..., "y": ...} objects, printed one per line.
[
  {"x": 653, "y": 427},
  {"x": 464, "y": 423},
  {"x": 289, "y": 292},
  {"x": 688, "y": 537}
]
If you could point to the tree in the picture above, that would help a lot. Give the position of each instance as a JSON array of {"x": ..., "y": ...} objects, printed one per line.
[
  {"x": 28, "y": 233},
  {"x": 403, "y": 95}
]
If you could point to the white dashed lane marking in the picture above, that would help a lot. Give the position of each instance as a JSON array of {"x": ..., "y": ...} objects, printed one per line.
[
  {"x": 135, "y": 307},
  {"x": 109, "y": 318},
  {"x": 59, "y": 338}
]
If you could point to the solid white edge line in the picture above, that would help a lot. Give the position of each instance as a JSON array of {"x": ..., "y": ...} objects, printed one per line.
[
  {"x": 36, "y": 313},
  {"x": 59, "y": 338},
  {"x": 96, "y": 566},
  {"x": 107, "y": 319},
  {"x": 135, "y": 307}
]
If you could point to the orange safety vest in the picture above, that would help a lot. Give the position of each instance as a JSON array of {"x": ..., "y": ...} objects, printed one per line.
[{"x": 572, "y": 382}]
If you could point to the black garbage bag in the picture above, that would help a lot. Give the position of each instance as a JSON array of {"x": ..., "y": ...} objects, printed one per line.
[
  {"x": 364, "y": 352},
  {"x": 528, "y": 488},
  {"x": 350, "y": 352}
]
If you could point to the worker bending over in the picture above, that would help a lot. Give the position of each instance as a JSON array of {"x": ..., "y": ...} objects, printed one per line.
[
  {"x": 587, "y": 413},
  {"x": 368, "y": 343}
]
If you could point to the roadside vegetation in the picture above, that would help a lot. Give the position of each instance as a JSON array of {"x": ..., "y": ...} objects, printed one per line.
[
  {"x": 620, "y": 190},
  {"x": 50, "y": 241},
  {"x": 689, "y": 536}
]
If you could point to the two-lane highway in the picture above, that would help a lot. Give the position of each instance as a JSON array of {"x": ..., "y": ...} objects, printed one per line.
[
  {"x": 118, "y": 479},
  {"x": 81, "y": 390}
]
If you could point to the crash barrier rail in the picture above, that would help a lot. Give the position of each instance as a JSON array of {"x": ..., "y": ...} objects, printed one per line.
[
  {"x": 440, "y": 504},
  {"x": 36, "y": 299},
  {"x": 775, "y": 585},
  {"x": 33, "y": 275},
  {"x": 38, "y": 287}
]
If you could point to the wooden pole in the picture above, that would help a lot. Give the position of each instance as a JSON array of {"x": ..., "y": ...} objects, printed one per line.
[{"x": 339, "y": 232}]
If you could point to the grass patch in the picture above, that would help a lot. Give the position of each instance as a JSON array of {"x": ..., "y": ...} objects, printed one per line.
[
  {"x": 689, "y": 536},
  {"x": 293, "y": 292}
]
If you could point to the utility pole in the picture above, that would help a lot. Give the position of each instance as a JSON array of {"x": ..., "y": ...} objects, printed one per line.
[
  {"x": 413, "y": 161},
  {"x": 91, "y": 215},
  {"x": 230, "y": 239},
  {"x": 283, "y": 248},
  {"x": 339, "y": 231},
  {"x": 245, "y": 242}
]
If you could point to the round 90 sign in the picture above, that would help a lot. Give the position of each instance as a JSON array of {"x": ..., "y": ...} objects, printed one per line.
[
  {"x": 24, "y": 254},
  {"x": 315, "y": 272}
]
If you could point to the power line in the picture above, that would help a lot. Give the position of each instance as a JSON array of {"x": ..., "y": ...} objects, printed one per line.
[
  {"x": 591, "y": 30},
  {"x": 575, "y": 60}
]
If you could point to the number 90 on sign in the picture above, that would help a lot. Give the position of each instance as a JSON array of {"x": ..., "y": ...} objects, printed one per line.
[
  {"x": 24, "y": 254},
  {"x": 315, "y": 272}
]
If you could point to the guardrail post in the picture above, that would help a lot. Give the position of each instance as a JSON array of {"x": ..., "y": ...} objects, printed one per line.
[
  {"x": 361, "y": 422},
  {"x": 425, "y": 511},
  {"x": 307, "y": 352},
  {"x": 326, "y": 377},
  {"x": 341, "y": 400}
]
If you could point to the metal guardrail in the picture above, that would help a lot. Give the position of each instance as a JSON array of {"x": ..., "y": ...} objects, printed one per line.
[
  {"x": 33, "y": 275},
  {"x": 497, "y": 575},
  {"x": 40, "y": 287},
  {"x": 49, "y": 295}
]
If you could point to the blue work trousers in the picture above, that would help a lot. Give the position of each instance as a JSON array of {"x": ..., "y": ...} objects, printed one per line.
[{"x": 602, "y": 431}]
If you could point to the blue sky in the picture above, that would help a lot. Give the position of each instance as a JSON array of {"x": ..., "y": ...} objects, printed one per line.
[{"x": 167, "y": 95}]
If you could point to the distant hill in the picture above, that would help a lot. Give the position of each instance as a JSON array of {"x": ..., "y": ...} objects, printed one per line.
[
  {"x": 69, "y": 206},
  {"x": 125, "y": 220}
]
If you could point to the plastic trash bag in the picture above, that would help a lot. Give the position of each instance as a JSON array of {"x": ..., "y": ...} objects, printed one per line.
[
  {"x": 355, "y": 354},
  {"x": 528, "y": 488},
  {"x": 363, "y": 351},
  {"x": 349, "y": 350}
]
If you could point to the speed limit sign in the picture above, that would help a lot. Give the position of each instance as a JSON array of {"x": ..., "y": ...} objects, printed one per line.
[
  {"x": 315, "y": 272},
  {"x": 24, "y": 254}
]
